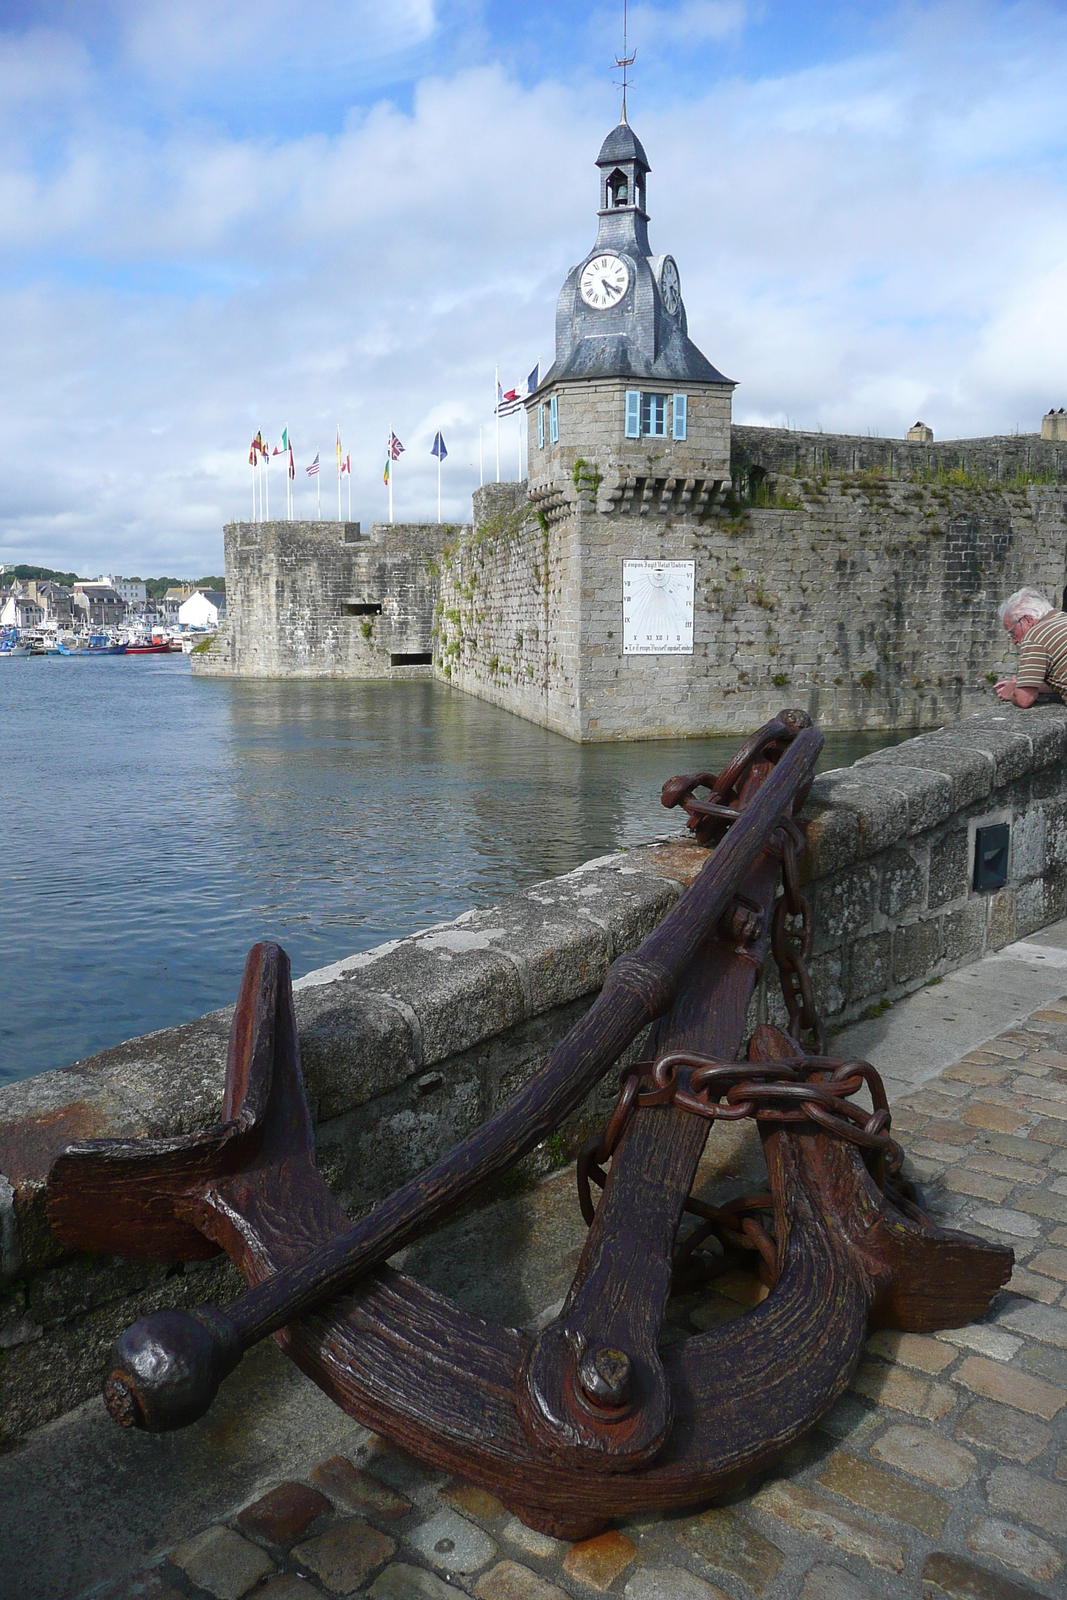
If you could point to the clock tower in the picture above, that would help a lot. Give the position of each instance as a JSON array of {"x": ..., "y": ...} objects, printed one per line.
[{"x": 629, "y": 448}]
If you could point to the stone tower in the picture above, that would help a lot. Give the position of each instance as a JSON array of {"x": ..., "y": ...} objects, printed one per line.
[{"x": 629, "y": 443}]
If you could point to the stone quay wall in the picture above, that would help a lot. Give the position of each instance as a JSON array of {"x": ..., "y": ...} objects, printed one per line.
[
  {"x": 318, "y": 600},
  {"x": 409, "y": 1046},
  {"x": 1001, "y": 458},
  {"x": 869, "y": 600}
]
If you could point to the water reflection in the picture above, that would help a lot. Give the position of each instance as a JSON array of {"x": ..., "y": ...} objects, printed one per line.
[{"x": 156, "y": 825}]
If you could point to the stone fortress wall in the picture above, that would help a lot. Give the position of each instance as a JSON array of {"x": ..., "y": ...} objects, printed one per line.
[
  {"x": 857, "y": 576},
  {"x": 409, "y": 1046},
  {"x": 320, "y": 600}
]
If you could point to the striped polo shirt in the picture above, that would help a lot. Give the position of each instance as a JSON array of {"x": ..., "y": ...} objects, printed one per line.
[{"x": 1043, "y": 655}]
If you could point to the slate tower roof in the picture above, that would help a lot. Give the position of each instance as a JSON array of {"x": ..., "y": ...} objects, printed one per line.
[{"x": 643, "y": 333}]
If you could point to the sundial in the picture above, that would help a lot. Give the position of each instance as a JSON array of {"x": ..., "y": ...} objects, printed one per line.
[{"x": 657, "y": 608}]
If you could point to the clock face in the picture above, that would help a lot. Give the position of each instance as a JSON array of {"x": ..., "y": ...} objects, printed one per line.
[
  {"x": 670, "y": 287},
  {"x": 657, "y": 608},
  {"x": 604, "y": 281}
]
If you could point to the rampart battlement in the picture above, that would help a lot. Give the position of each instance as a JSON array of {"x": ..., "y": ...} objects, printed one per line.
[{"x": 1001, "y": 458}]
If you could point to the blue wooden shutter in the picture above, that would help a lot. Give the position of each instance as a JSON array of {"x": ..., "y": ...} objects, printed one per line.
[
  {"x": 633, "y": 413},
  {"x": 540, "y": 427},
  {"x": 680, "y": 409},
  {"x": 553, "y": 419}
]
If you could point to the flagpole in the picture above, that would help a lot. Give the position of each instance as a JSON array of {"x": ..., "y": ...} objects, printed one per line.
[
  {"x": 253, "y": 489},
  {"x": 392, "y": 464},
  {"x": 318, "y": 495},
  {"x": 350, "y": 491},
  {"x": 338, "y": 472},
  {"x": 266, "y": 481},
  {"x": 521, "y": 416},
  {"x": 438, "y": 491},
  {"x": 481, "y": 468},
  {"x": 496, "y": 408}
]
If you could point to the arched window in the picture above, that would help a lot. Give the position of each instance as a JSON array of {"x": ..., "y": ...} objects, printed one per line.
[{"x": 618, "y": 188}]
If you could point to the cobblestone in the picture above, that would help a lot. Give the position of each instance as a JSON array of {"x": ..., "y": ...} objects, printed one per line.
[
  {"x": 284, "y": 1513},
  {"x": 1007, "y": 1432},
  {"x": 946, "y": 1577},
  {"x": 867, "y": 1485},
  {"x": 670, "y": 1583},
  {"x": 818, "y": 1517},
  {"x": 223, "y": 1563},
  {"x": 725, "y": 1540},
  {"x": 346, "y": 1554},
  {"x": 452, "y": 1543},
  {"x": 925, "y": 1454},
  {"x": 598, "y": 1562},
  {"x": 359, "y": 1491},
  {"x": 824, "y": 1582},
  {"x": 1013, "y": 1388},
  {"x": 1032, "y": 1499},
  {"x": 1016, "y": 1548},
  {"x": 508, "y": 1580}
]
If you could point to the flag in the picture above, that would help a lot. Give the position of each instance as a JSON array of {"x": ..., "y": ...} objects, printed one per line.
[
  {"x": 507, "y": 401},
  {"x": 313, "y": 470},
  {"x": 346, "y": 466},
  {"x": 395, "y": 448},
  {"x": 385, "y": 474},
  {"x": 533, "y": 380},
  {"x": 292, "y": 465},
  {"x": 438, "y": 448},
  {"x": 283, "y": 448},
  {"x": 338, "y": 447}
]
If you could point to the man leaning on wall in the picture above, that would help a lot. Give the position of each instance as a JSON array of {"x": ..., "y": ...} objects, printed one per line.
[{"x": 1040, "y": 631}]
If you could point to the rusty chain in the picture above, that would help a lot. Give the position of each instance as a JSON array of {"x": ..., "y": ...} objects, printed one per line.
[{"x": 808, "y": 1087}]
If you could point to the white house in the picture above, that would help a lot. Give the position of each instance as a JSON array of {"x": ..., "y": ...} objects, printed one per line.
[
  {"x": 21, "y": 611},
  {"x": 202, "y": 610}
]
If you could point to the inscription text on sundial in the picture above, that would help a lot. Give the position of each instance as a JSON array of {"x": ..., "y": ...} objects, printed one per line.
[{"x": 657, "y": 608}]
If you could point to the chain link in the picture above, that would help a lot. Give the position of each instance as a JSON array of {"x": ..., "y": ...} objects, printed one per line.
[{"x": 809, "y": 1087}]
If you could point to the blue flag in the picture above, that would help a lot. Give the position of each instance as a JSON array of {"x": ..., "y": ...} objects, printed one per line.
[{"x": 438, "y": 448}]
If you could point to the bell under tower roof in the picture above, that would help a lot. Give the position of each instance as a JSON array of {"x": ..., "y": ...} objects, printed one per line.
[{"x": 635, "y": 326}]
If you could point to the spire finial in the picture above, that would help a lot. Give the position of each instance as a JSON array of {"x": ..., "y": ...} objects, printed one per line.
[{"x": 624, "y": 60}]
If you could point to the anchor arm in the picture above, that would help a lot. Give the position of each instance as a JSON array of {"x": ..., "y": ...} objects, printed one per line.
[{"x": 639, "y": 987}]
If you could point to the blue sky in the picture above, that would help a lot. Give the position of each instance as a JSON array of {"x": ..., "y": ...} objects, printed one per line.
[{"x": 217, "y": 219}]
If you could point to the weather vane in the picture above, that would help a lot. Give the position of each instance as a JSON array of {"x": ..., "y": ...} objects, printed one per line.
[{"x": 624, "y": 60}]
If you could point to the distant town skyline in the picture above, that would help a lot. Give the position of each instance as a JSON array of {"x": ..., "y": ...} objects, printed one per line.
[{"x": 220, "y": 220}]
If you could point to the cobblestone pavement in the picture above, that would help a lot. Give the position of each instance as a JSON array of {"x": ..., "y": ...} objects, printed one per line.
[{"x": 943, "y": 1473}]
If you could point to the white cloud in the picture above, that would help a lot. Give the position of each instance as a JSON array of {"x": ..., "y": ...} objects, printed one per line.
[{"x": 860, "y": 243}]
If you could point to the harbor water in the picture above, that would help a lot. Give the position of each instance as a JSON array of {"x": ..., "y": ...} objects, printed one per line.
[{"x": 154, "y": 826}]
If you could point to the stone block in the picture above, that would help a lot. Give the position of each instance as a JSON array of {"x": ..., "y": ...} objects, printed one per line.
[
  {"x": 964, "y": 932},
  {"x": 1016, "y": 1548},
  {"x": 728, "y": 1543},
  {"x": 283, "y": 1513},
  {"x": 821, "y": 1519},
  {"x": 825, "y": 1582},
  {"x": 869, "y": 966},
  {"x": 925, "y": 1454},
  {"x": 400, "y": 1581},
  {"x": 354, "y": 1046},
  {"x": 870, "y": 1486},
  {"x": 1001, "y": 736},
  {"x": 1001, "y": 917},
  {"x": 451, "y": 1543},
  {"x": 1038, "y": 1322},
  {"x": 970, "y": 770},
  {"x": 508, "y": 1580},
  {"x": 842, "y": 904},
  {"x": 345, "y": 1555},
  {"x": 950, "y": 864},
  {"x": 918, "y": 947},
  {"x": 912, "y": 1350},
  {"x": 880, "y": 807},
  {"x": 902, "y": 883},
  {"x": 833, "y": 839},
  {"x": 1010, "y": 1387},
  {"x": 950, "y": 1577},
  {"x": 670, "y": 1583},
  {"x": 1028, "y": 854},
  {"x": 997, "y": 1427},
  {"x": 223, "y": 1563},
  {"x": 1039, "y": 1501},
  {"x": 597, "y": 1562}
]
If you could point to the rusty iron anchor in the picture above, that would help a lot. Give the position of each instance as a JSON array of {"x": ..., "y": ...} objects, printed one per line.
[{"x": 592, "y": 1418}]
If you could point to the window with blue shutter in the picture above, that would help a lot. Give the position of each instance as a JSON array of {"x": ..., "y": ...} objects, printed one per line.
[
  {"x": 633, "y": 414},
  {"x": 553, "y": 419},
  {"x": 680, "y": 408},
  {"x": 654, "y": 415},
  {"x": 540, "y": 427}
]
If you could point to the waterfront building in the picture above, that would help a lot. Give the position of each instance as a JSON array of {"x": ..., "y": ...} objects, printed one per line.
[
  {"x": 202, "y": 609},
  {"x": 131, "y": 591},
  {"x": 98, "y": 605},
  {"x": 21, "y": 610}
]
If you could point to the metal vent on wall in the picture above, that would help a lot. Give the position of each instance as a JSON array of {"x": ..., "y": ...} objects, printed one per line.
[{"x": 991, "y": 856}]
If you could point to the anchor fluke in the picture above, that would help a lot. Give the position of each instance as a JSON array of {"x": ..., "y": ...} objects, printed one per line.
[{"x": 166, "y": 1368}]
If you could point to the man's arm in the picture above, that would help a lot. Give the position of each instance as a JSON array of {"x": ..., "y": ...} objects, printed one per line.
[{"x": 1008, "y": 689}]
